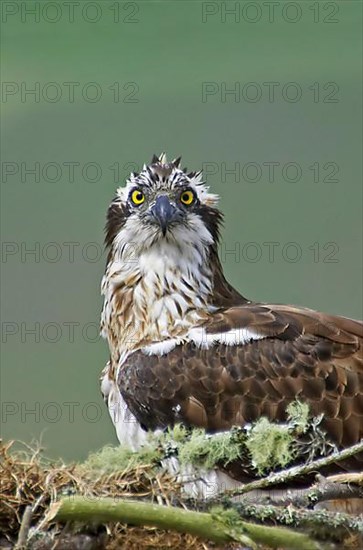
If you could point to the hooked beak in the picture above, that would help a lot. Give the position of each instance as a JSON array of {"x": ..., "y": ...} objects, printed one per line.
[{"x": 164, "y": 213}]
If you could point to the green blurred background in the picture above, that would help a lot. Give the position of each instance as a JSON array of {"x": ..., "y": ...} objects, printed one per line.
[{"x": 160, "y": 54}]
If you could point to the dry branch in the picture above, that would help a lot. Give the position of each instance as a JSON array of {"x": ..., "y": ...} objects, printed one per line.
[
  {"x": 24, "y": 528},
  {"x": 289, "y": 474},
  {"x": 325, "y": 489},
  {"x": 316, "y": 522}
]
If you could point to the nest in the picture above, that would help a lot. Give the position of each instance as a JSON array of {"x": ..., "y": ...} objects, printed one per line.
[
  {"x": 30, "y": 485},
  {"x": 27, "y": 479}
]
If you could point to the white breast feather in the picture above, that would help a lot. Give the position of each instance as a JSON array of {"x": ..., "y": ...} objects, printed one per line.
[{"x": 128, "y": 430}]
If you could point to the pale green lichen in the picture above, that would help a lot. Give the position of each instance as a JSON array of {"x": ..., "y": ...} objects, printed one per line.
[
  {"x": 110, "y": 459},
  {"x": 207, "y": 451},
  {"x": 273, "y": 445},
  {"x": 191, "y": 447},
  {"x": 298, "y": 415},
  {"x": 270, "y": 445},
  {"x": 176, "y": 435}
]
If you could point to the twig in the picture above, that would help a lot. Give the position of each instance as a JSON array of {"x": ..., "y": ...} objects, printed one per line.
[
  {"x": 324, "y": 490},
  {"x": 325, "y": 524},
  {"x": 24, "y": 528},
  {"x": 291, "y": 473},
  {"x": 219, "y": 527}
]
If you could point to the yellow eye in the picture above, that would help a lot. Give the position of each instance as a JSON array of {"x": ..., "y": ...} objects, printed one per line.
[
  {"x": 187, "y": 197},
  {"x": 137, "y": 197}
]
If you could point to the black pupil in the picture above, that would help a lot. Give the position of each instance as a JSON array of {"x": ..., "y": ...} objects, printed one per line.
[
  {"x": 139, "y": 196},
  {"x": 186, "y": 196}
]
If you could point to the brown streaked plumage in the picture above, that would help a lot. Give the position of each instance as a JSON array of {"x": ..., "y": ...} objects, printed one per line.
[
  {"x": 187, "y": 347},
  {"x": 305, "y": 355}
]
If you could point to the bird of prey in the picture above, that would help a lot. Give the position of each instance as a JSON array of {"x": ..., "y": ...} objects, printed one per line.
[{"x": 186, "y": 347}]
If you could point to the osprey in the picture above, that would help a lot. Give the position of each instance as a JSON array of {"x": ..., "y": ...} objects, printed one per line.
[{"x": 186, "y": 347}]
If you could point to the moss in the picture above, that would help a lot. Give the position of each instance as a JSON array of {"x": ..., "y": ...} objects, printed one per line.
[
  {"x": 112, "y": 459},
  {"x": 207, "y": 451},
  {"x": 298, "y": 415},
  {"x": 174, "y": 437},
  {"x": 270, "y": 445},
  {"x": 229, "y": 516},
  {"x": 179, "y": 433}
]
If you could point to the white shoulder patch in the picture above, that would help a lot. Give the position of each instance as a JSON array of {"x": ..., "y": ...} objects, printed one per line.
[
  {"x": 199, "y": 336},
  {"x": 230, "y": 338},
  {"x": 161, "y": 348}
]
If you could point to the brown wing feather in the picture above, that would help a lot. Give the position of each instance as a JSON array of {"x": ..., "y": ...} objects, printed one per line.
[
  {"x": 305, "y": 354},
  {"x": 286, "y": 322}
]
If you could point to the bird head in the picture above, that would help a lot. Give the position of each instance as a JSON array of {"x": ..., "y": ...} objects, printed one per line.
[{"x": 163, "y": 204}]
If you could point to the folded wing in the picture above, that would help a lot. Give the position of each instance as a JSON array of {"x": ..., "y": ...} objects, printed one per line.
[{"x": 277, "y": 354}]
